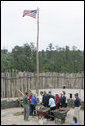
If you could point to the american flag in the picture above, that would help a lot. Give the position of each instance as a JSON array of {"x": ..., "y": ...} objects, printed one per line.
[{"x": 31, "y": 13}]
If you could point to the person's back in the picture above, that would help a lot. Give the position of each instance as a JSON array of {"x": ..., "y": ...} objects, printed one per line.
[
  {"x": 52, "y": 102},
  {"x": 45, "y": 99},
  {"x": 52, "y": 107},
  {"x": 25, "y": 99},
  {"x": 33, "y": 105},
  {"x": 57, "y": 100},
  {"x": 33, "y": 100}
]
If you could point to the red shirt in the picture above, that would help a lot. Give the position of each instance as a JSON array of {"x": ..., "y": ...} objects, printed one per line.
[
  {"x": 30, "y": 99},
  {"x": 57, "y": 99}
]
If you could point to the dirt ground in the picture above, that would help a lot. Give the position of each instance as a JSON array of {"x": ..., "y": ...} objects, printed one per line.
[{"x": 9, "y": 117}]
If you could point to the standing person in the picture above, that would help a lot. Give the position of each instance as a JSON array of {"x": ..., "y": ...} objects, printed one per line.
[
  {"x": 45, "y": 99},
  {"x": 40, "y": 97},
  {"x": 74, "y": 122},
  {"x": 77, "y": 104},
  {"x": 50, "y": 94},
  {"x": 61, "y": 100},
  {"x": 64, "y": 100},
  {"x": 48, "y": 97},
  {"x": 30, "y": 103},
  {"x": 52, "y": 107},
  {"x": 26, "y": 107},
  {"x": 33, "y": 104},
  {"x": 57, "y": 101}
]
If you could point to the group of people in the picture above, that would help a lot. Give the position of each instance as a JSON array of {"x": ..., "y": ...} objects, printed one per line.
[
  {"x": 54, "y": 102},
  {"x": 46, "y": 99},
  {"x": 60, "y": 101},
  {"x": 29, "y": 105},
  {"x": 51, "y": 101}
]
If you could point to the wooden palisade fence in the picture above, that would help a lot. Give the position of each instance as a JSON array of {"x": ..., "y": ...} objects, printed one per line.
[{"x": 10, "y": 81}]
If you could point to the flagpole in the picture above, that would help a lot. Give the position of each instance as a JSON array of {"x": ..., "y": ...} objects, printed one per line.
[{"x": 37, "y": 55}]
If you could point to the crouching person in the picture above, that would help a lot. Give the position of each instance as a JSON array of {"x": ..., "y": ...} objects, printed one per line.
[{"x": 26, "y": 107}]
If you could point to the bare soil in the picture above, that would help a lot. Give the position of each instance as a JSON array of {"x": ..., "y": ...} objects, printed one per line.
[{"x": 14, "y": 116}]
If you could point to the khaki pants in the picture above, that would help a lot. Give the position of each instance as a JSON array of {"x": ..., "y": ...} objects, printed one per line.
[
  {"x": 77, "y": 113},
  {"x": 26, "y": 111}
]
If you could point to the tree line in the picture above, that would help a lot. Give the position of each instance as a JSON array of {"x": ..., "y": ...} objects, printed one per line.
[{"x": 53, "y": 59}]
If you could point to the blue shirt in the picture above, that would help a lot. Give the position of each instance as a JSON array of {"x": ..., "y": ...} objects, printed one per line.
[
  {"x": 33, "y": 100},
  {"x": 73, "y": 123},
  {"x": 52, "y": 102},
  {"x": 77, "y": 102}
]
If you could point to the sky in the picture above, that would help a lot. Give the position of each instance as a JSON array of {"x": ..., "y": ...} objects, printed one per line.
[{"x": 60, "y": 23}]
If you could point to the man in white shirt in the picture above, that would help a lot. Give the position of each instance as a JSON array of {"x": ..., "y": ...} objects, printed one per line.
[{"x": 40, "y": 97}]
